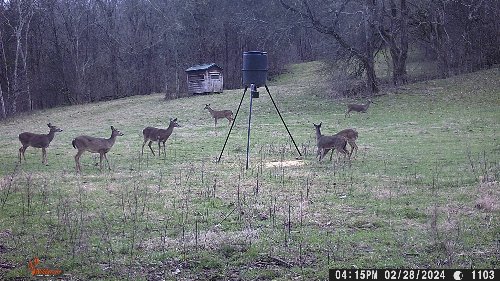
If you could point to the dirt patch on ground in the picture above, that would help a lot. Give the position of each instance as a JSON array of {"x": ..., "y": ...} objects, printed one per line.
[
  {"x": 211, "y": 240},
  {"x": 284, "y": 163}
]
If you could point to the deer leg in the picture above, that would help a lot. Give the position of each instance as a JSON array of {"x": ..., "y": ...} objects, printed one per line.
[
  {"x": 22, "y": 150},
  {"x": 44, "y": 156},
  {"x": 323, "y": 152},
  {"x": 331, "y": 154},
  {"x": 77, "y": 160},
  {"x": 144, "y": 143},
  {"x": 353, "y": 147},
  {"x": 344, "y": 151},
  {"x": 19, "y": 154},
  {"x": 149, "y": 144},
  {"x": 215, "y": 123},
  {"x": 106, "y": 158},
  {"x": 100, "y": 160},
  {"x": 164, "y": 149}
]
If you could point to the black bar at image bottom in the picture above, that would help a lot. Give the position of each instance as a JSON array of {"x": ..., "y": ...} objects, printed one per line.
[{"x": 413, "y": 274}]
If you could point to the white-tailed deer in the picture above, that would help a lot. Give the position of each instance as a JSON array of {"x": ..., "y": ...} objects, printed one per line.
[
  {"x": 217, "y": 114},
  {"x": 160, "y": 135},
  {"x": 327, "y": 143},
  {"x": 358, "y": 107},
  {"x": 42, "y": 141},
  {"x": 351, "y": 135},
  {"x": 94, "y": 145}
]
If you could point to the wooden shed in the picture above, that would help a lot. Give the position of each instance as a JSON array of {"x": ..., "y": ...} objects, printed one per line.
[{"x": 204, "y": 78}]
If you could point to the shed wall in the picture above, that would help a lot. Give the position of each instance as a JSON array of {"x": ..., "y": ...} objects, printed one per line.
[{"x": 205, "y": 81}]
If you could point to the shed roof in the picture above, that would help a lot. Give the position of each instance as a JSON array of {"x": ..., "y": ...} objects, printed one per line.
[{"x": 202, "y": 67}]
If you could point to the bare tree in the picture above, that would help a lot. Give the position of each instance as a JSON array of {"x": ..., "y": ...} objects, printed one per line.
[
  {"x": 393, "y": 29},
  {"x": 460, "y": 35},
  {"x": 55, "y": 52},
  {"x": 20, "y": 23},
  {"x": 2, "y": 104},
  {"x": 365, "y": 52},
  {"x": 4, "y": 77}
]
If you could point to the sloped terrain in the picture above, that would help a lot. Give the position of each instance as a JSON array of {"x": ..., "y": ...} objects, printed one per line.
[{"x": 421, "y": 192}]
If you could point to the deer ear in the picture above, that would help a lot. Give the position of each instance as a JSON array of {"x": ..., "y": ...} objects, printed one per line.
[
  {"x": 175, "y": 120},
  {"x": 320, "y": 123},
  {"x": 112, "y": 128},
  {"x": 49, "y": 125}
]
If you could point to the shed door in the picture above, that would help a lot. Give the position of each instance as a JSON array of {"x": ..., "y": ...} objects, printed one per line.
[{"x": 215, "y": 82}]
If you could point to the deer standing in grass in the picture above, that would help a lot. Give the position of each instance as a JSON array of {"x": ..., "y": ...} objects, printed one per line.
[
  {"x": 358, "y": 107},
  {"x": 327, "y": 143},
  {"x": 160, "y": 135},
  {"x": 217, "y": 114},
  {"x": 94, "y": 145},
  {"x": 42, "y": 141},
  {"x": 351, "y": 135}
]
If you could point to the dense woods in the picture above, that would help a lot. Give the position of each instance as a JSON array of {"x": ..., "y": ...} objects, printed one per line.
[{"x": 62, "y": 52}]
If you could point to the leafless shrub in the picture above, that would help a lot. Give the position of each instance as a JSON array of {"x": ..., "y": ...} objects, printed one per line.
[{"x": 488, "y": 196}]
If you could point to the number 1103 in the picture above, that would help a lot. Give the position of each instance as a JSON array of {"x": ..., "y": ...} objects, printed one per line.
[{"x": 483, "y": 275}]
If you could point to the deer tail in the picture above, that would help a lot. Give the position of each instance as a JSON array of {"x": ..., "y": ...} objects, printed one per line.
[{"x": 73, "y": 143}]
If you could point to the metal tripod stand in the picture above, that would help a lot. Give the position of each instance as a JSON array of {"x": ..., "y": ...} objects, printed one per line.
[{"x": 254, "y": 94}]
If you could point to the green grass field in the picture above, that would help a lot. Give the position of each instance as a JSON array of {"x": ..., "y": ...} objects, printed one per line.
[{"x": 422, "y": 191}]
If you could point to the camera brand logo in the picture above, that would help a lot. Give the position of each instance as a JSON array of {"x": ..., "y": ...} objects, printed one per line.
[{"x": 42, "y": 271}]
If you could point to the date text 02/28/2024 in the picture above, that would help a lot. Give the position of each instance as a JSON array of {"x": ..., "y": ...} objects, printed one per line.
[{"x": 413, "y": 274}]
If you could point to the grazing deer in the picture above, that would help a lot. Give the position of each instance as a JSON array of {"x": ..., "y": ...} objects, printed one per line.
[
  {"x": 217, "y": 114},
  {"x": 351, "y": 135},
  {"x": 28, "y": 139},
  {"x": 358, "y": 107},
  {"x": 94, "y": 145},
  {"x": 160, "y": 135},
  {"x": 327, "y": 143}
]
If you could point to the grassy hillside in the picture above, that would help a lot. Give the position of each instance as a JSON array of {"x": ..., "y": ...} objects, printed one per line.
[{"x": 422, "y": 191}]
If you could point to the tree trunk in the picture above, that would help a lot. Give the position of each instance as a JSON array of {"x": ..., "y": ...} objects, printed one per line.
[
  {"x": 369, "y": 62},
  {"x": 2, "y": 104},
  {"x": 366, "y": 56},
  {"x": 24, "y": 57},
  {"x": 395, "y": 35},
  {"x": 6, "y": 76},
  {"x": 400, "y": 74},
  {"x": 371, "y": 78}
]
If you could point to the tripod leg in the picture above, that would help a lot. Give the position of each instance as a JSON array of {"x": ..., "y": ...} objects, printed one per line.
[
  {"x": 277, "y": 110},
  {"x": 249, "y": 124},
  {"x": 234, "y": 121}
]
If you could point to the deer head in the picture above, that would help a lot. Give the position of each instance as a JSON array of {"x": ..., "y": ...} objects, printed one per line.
[
  {"x": 115, "y": 132},
  {"x": 54, "y": 128},
  {"x": 173, "y": 122}
]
